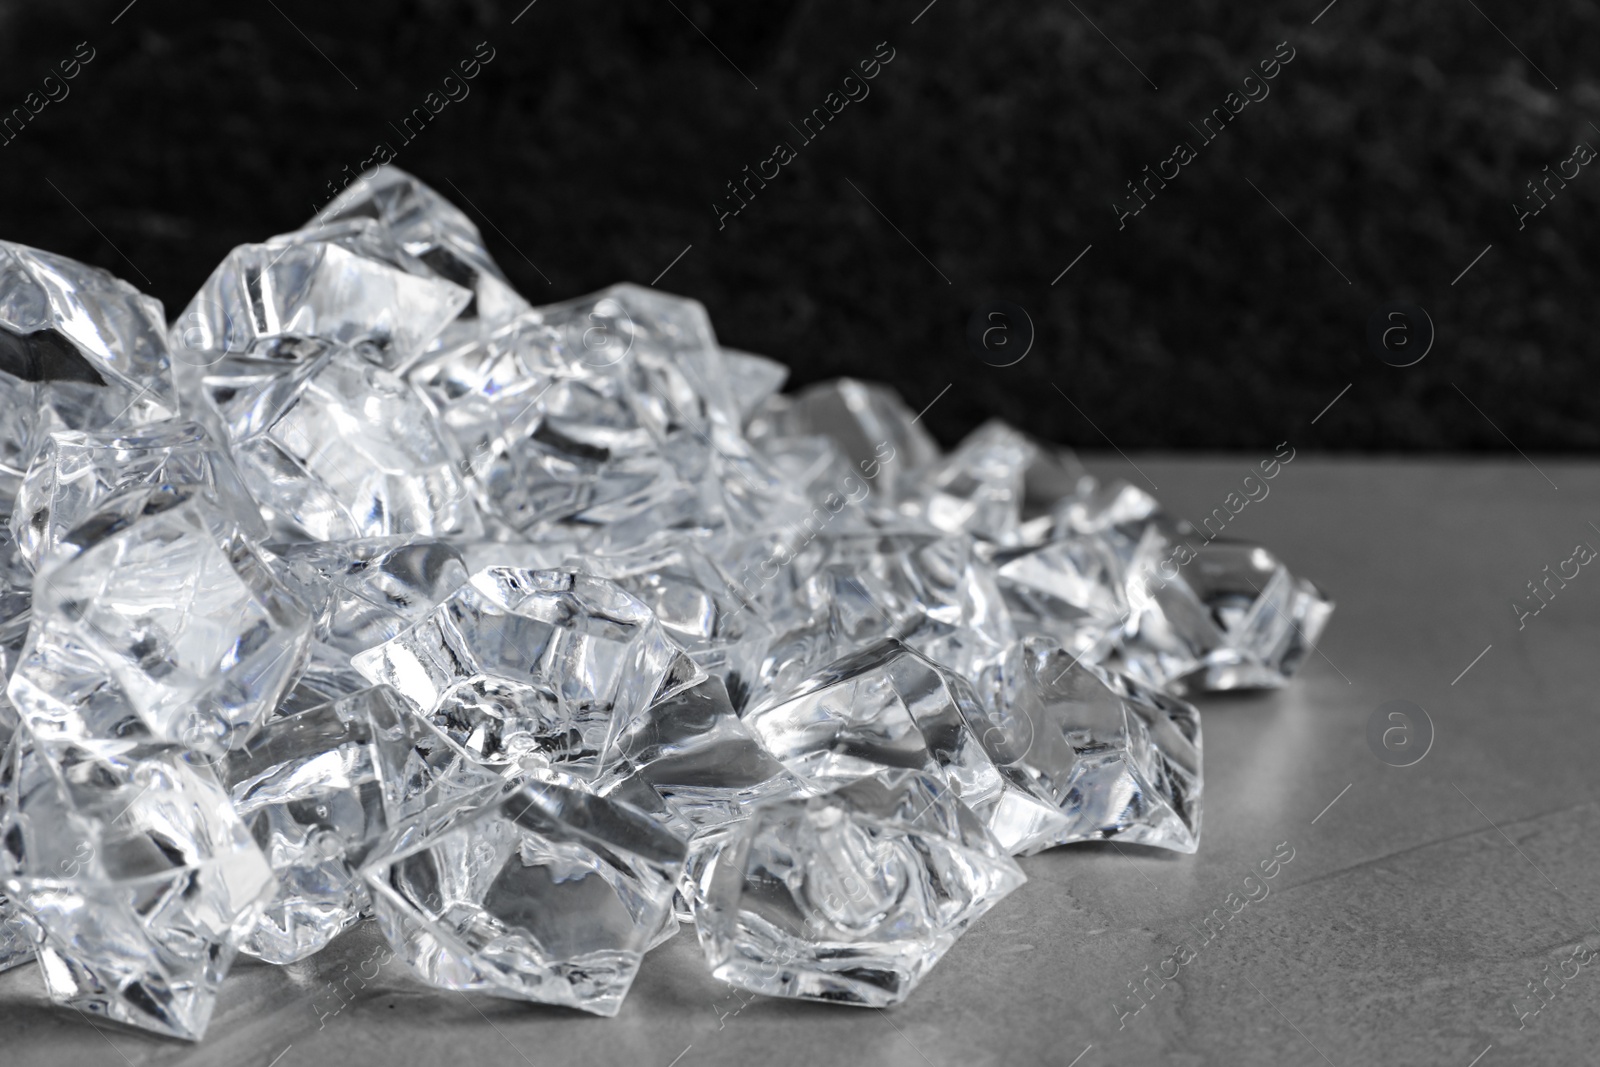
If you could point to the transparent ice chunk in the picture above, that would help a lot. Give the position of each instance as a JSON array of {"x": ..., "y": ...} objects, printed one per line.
[
  {"x": 998, "y": 485},
  {"x": 545, "y": 893},
  {"x": 692, "y": 749},
  {"x": 850, "y": 897},
  {"x": 336, "y": 448},
  {"x": 138, "y": 876},
  {"x": 347, "y": 283},
  {"x": 431, "y": 229},
  {"x": 1216, "y": 615},
  {"x": 933, "y": 593},
  {"x": 1118, "y": 759},
  {"x": 518, "y": 665},
  {"x": 754, "y": 379},
  {"x": 1069, "y": 588},
  {"x": 65, "y": 321},
  {"x": 74, "y": 471},
  {"x": 872, "y": 425},
  {"x": 319, "y": 789},
  {"x": 365, "y": 592},
  {"x": 888, "y": 707},
  {"x": 168, "y": 624}
]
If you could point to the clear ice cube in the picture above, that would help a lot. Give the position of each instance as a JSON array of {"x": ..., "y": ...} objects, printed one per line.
[
  {"x": 337, "y": 448},
  {"x": 138, "y": 876},
  {"x": 347, "y": 282},
  {"x": 1216, "y": 615},
  {"x": 65, "y": 321},
  {"x": 889, "y": 707},
  {"x": 74, "y": 471},
  {"x": 167, "y": 625},
  {"x": 1119, "y": 760},
  {"x": 851, "y": 897},
  {"x": 542, "y": 665},
  {"x": 545, "y": 893}
]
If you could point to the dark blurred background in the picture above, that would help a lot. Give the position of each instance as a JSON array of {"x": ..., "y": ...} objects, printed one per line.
[{"x": 594, "y": 143}]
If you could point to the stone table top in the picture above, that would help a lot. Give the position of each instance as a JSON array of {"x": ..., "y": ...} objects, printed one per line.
[{"x": 1418, "y": 905}]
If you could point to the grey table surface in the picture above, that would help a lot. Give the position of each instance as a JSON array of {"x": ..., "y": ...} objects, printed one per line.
[{"x": 1419, "y": 903}]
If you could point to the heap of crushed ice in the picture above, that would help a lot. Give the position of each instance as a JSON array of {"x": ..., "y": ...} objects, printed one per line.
[{"x": 367, "y": 589}]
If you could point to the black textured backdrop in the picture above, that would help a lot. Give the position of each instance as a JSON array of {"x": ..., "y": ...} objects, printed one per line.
[{"x": 987, "y": 157}]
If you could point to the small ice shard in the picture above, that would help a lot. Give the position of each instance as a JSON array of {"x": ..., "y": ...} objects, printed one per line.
[
  {"x": 1216, "y": 615},
  {"x": 1070, "y": 588},
  {"x": 347, "y": 283},
  {"x": 889, "y": 707},
  {"x": 138, "y": 875},
  {"x": 337, "y": 448},
  {"x": 65, "y": 321},
  {"x": 523, "y": 664},
  {"x": 851, "y": 590},
  {"x": 364, "y": 592},
  {"x": 1120, "y": 761},
  {"x": 544, "y": 893},
  {"x": 74, "y": 471},
  {"x": 694, "y": 751},
  {"x": 851, "y": 897},
  {"x": 318, "y": 790},
  {"x": 998, "y": 485},
  {"x": 877, "y": 431},
  {"x": 699, "y": 608},
  {"x": 165, "y": 624},
  {"x": 434, "y": 231},
  {"x": 755, "y": 379}
]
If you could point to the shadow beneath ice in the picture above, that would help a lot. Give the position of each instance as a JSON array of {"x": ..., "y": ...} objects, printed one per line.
[
  {"x": 1113, "y": 848},
  {"x": 1247, "y": 698},
  {"x": 442, "y": 1007},
  {"x": 1265, "y": 699},
  {"x": 814, "y": 1013}
]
